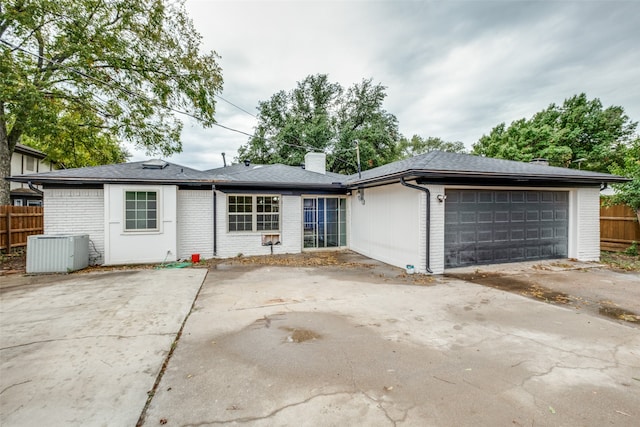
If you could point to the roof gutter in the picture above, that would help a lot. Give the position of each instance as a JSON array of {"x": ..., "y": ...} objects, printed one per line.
[
  {"x": 428, "y": 215},
  {"x": 474, "y": 176}
]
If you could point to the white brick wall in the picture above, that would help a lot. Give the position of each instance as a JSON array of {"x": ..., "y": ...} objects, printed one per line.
[
  {"x": 195, "y": 223},
  {"x": 587, "y": 217},
  {"x": 250, "y": 243},
  {"x": 77, "y": 211},
  {"x": 390, "y": 225},
  {"x": 437, "y": 230}
]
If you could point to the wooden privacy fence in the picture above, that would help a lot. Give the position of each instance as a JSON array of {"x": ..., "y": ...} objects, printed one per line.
[
  {"x": 619, "y": 228},
  {"x": 17, "y": 223}
]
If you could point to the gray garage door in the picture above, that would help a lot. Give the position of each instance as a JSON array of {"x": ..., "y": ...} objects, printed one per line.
[{"x": 490, "y": 227}]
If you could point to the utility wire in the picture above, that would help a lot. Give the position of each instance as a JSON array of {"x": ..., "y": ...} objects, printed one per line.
[
  {"x": 239, "y": 108},
  {"x": 143, "y": 97}
]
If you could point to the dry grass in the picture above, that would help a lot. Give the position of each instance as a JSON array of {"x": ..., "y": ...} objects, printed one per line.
[{"x": 620, "y": 261}]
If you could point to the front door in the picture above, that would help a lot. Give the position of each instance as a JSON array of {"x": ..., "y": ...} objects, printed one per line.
[{"x": 324, "y": 222}]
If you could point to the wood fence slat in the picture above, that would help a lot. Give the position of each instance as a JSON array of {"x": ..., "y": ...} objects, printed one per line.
[
  {"x": 619, "y": 228},
  {"x": 17, "y": 223}
]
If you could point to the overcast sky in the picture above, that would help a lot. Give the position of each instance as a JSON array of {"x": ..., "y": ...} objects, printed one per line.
[{"x": 452, "y": 69}]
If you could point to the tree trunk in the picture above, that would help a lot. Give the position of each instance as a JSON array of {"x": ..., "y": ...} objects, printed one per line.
[{"x": 5, "y": 162}]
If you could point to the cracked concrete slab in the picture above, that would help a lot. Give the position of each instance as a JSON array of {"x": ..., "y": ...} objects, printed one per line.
[
  {"x": 379, "y": 352},
  {"x": 85, "y": 349}
]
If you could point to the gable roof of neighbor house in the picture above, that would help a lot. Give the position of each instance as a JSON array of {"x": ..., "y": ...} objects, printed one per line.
[
  {"x": 439, "y": 166},
  {"x": 25, "y": 149}
]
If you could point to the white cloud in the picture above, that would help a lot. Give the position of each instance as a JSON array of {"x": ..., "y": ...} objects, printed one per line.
[{"x": 452, "y": 69}]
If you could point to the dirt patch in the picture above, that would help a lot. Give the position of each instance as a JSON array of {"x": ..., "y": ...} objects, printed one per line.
[
  {"x": 306, "y": 259},
  {"x": 619, "y": 313},
  {"x": 300, "y": 335},
  {"x": 13, "y": 263},
  {"x": 518, "y": 285},
  {"x": 530, "y": 287},
  {"x": 621, "y": 261}
]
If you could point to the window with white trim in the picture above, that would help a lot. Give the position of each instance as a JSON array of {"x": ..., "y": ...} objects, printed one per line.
[
  {"x": 253, "y": 213},
  {"x": 141, "y": 211}
]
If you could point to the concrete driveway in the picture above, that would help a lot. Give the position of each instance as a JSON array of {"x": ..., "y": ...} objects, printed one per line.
[
  {"x": 354, "y": 342},
  {"x": 85, "y": 349},
  {"x": 353, "y": 345},
  {"x": 584, "y": 287}
]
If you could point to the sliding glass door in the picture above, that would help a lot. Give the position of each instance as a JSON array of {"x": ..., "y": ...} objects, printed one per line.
[{"x": 324, "y": 222}]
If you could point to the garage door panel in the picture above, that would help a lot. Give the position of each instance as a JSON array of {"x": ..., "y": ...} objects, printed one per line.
[
  {"x": 450, "y": 238},
  {"x": 517, "y": 216},
  {"x": 501, "y": 197},
  {"x": 485, "y": 236},
  {"x": 517, "y": 196},
  {"x": 451, "y": 218},
  {"x": 533, "y": 216},
  {"x": 501, "y": 235},
  {"x": 469, "y": 198},
  {"x": 485, "y": 197},
  {"x": 547, "y": 232},
  {"x": 516, "y": 254},
  {"x": 501, "y": 254},
  {"x": 517, "y": 234},
  {"x": 547, "y": 215},
  {"x": 547, "y": 197},
  {"x": 533, "y": 196},
  {"x": 467, "y": 218},
  {"x": 501, "y": 216},
  {"x": 467, "y": 237},
  {"x": 483, "y": 227},
  {"x": 533, "y": 233},
  {"x": 485, "y": 217},
  {"x": 485, "y": 256}
]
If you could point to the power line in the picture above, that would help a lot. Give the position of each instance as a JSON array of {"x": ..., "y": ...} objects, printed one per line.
[
  {"x": 118, "y": 86},
  {"x": 239, "y": 108}
]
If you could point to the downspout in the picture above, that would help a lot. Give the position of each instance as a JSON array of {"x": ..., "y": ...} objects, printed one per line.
[
  {"x": 215, "y": 222},
  {"x": 33, "y": 188},
  {"x": 428, "y": 215}
]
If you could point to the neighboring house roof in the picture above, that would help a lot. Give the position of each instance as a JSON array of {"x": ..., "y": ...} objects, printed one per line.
[
  {"x": 439, "y": 166},
  {"x": 24, "y": 149},
  {"x": 121, "y": 173},
  {"x": 25, "y": 192}
]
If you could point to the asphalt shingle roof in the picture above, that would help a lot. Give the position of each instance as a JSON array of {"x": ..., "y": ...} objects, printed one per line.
[
  {"x": 275, "y": 174},
  {"x": 450, "y": 164},
  {"x": 121, "y": 172},
  {"x": 435, "y": 164}
]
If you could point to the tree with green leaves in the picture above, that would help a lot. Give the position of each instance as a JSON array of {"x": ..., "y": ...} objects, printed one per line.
[
  {"x": 73, "y": 71},
  {"x": 580, "y": 133},
  {"x": 418, "y": 145},
  {"x": 628, "y": 193},
  {"x": 318, "y": 115}
]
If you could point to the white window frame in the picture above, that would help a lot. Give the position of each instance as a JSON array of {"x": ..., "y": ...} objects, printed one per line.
[
  {"x": 254, "y": 213},
  {"x": 157, "y": 210}
]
